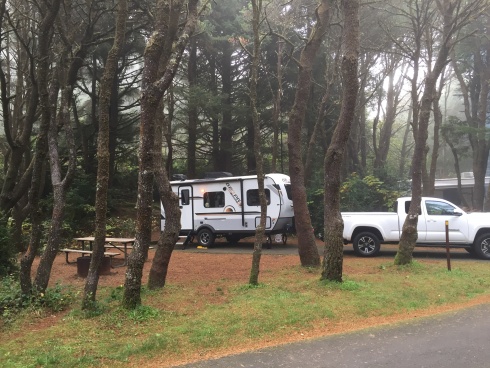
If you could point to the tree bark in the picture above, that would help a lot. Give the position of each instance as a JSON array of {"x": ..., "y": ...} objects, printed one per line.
[
  {"x": 68, "y": 71},
  {"x": 103, "y": 156},
  {"x": 409, "y": 233},
  {"x": 193, "y": 116},
  {"x": 260, "y": 230},
  {"x": 170, "y": 202},
  {"x": 153, "y": 89},
  {"x": 333, "y": 255},
  {"x": 42, "y": 72},
  {"x": 308, "y": 251}
]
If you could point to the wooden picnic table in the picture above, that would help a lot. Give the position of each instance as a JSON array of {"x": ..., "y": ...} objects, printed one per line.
[{"x": 120, "y": 244}]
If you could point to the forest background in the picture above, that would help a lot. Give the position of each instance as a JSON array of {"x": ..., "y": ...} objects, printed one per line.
[{"x": 52, "y": 69}]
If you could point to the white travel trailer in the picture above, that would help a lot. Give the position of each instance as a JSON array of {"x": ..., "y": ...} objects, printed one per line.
[{"x": 229, "y": 207}]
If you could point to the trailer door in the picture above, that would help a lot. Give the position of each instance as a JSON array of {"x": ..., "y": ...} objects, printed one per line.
[{"x": 186, "y": 207}]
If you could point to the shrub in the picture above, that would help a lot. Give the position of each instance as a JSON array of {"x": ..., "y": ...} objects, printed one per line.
[
  {"x": 8, "y": 261},
  {"x": 12, "y": 301}
]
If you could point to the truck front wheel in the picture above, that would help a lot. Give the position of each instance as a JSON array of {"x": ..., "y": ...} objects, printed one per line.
[
  {"x": 366, "y": 244},
  {"x": 482, "y": 246}
]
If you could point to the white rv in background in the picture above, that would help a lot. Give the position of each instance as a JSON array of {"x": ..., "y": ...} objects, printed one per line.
[{"x": 229, "y": 207}]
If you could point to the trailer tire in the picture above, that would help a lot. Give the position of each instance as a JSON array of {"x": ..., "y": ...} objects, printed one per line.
[
  {"x": 205, "y": 237},
  {"x": 366, "y": 244},
  {"x": 481, "y": 246}
]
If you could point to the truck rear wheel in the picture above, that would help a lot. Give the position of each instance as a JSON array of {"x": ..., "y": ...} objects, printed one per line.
[
  {"x": 205, "y": 237},
  {"x": 366, "y": 244},
  {"x": 481, "y": 246}
]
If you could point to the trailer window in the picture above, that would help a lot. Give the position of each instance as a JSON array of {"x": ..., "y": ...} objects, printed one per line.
[
  {"x": 288, "y": 191},
  {"x": 253, "y": 197},
  {"x": 214, "y": 199}
]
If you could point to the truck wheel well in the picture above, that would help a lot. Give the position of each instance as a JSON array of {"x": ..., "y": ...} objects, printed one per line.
[
  {"x": 480, "y": 232},
  {"x": 362, "y": 229}
]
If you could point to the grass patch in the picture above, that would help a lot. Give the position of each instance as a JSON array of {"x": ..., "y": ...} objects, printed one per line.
[{"x": 180, "y": 322}]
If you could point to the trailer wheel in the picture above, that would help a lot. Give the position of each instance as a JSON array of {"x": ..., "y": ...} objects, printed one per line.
[
  {"x": 205, "y": 237},
  {"x": 482, "y": 246},
  {"x": 366, "y": 244}
]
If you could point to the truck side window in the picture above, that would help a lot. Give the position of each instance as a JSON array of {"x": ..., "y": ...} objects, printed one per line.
[
  {"x": 185, "y": 197},
  {"x": 407, "y": 207},
  {"x": 253, "y": 197},
  {"x": 214, "y": 199},
  {"x": 438, "y": 208}
]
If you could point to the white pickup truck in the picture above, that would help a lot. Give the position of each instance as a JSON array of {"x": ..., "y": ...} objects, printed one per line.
[{"x": 367, "y": 230}]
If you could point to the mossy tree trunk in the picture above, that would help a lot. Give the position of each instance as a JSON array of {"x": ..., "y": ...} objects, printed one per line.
[
  {"x": 161, "y": 59},
  {"x": 103, "y": 156}
]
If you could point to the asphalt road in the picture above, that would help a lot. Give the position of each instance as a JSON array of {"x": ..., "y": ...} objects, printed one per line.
[{"x": 451, "y": 340}]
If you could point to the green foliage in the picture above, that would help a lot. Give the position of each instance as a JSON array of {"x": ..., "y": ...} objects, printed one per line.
[
  {"x": 121, "y": 227},
  {"x": 367, "y": 194},
  {"x": 143, "y": 313},
  {"x": 8, "y": 261},
  {"x": 13, "y": 302},
  {"x": 357, "y": 195},
  {"x": 316, "y": 207}
]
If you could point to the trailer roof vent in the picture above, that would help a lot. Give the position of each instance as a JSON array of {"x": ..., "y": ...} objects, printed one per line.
[
  {"x": 217, "y": 174},
  {"x": 179, "y": 177}
]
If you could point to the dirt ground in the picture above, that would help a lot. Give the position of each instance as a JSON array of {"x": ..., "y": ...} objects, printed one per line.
[
  {"x": 234, "y": 262},
  {"x": 186, "y": 265},
  {"x": 184, "y": 268}
]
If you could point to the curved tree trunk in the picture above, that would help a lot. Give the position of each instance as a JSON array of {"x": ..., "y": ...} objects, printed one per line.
[
  {"x": 409, "y": 230},
  {"x": 42, "y": 72},
  {"x": 308, "y": 251},
  {"x": 170, "y": 202},
  {"x": 153, "y": 90},
  {"x": 334, "y": 225}
]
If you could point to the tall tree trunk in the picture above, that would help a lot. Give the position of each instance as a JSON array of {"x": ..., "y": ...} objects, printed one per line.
[
  {"x": 480, "y": 149},
  {"x": 153, "y": 89},
  {"x": 260, "y": 230},
  {"x": 103, "y": 155},
  {"x": 333, "y": 255},
  {"x": 409, "y": 233},
  {"x": 429, "y": 186},
  {"x": 42, "y": 73},
  {"x": 276, "y": 115},
  {"x": 405, "y": 150},
  {"x": 226, "y": 145},
  {"x": 170, "y": 202},
  {"x": 317, "y": 136},
  {"x": 193, "y": 116},
  {"x": 308, "y": 251},
  {"x": 68, "y": 70}
]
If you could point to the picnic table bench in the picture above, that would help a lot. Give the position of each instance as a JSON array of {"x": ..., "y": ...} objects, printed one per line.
[{"x": 86, "y": 252}]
